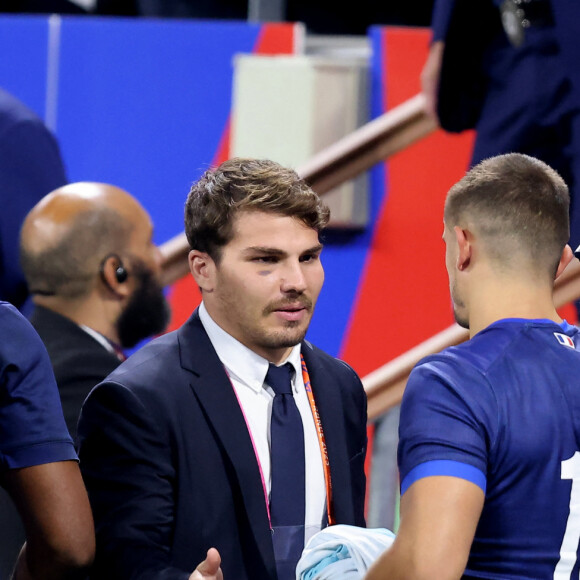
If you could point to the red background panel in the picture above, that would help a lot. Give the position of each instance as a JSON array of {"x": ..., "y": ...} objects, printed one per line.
[{"x": 403, "y": 297}]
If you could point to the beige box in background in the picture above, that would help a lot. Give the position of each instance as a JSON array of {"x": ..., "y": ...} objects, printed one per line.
[{"x": 287, "y": 108}]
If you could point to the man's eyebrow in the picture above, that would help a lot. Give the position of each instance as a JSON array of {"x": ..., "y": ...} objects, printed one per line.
[
  {"x": 314, "y": 249},
  {"x": 265, "y": 250}
]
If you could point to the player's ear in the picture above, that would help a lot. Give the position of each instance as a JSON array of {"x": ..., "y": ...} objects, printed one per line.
[
  {"x": 565, "y": 259},
  {"x": 114, "y": 273},
  {"x": 202, "y": 268},
  {"x": 463, "y": 240}
]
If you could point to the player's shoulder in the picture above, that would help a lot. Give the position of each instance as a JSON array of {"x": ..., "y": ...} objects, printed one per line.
[
  {"x": 15, "y": 325},
  {"x": 471, "y": 356},
  {"x": 9, "y": 313},
  {"x": 509, "y": 342},
  {"x": 492, "y": 344},
  {"x": 466, "y": 363}
]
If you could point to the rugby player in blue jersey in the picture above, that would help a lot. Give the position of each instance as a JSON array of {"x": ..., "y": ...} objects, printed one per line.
[{"x": 489, "y": 450}]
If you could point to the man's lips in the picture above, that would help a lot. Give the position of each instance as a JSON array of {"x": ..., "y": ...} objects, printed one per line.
[
  {"x": 291, "y": 315},
  {"x": 291, "y": 312}
]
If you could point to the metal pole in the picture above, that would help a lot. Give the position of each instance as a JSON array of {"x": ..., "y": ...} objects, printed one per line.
[{"x": 266, "y": 10}]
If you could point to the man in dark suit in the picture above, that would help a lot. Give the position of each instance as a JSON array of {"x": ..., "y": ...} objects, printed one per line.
[
  {"x": 177, "y": 445},
  {"x": 509, "y": 69},
  {"x": 92, "y": 269}
]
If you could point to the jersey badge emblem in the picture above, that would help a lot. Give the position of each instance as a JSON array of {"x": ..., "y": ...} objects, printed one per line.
[{"x": 564, "y": 339}]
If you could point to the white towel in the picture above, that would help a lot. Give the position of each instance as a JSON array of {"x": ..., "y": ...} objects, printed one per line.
[{"x": 342, "y": 552}]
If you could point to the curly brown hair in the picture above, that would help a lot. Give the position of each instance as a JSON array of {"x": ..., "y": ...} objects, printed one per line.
[{"x": 244, "y": 184}]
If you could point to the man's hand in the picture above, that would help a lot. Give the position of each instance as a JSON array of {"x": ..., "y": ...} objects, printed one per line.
[
  {"x": 430, "y": 77},
  {"x": 209, "y": 569}
]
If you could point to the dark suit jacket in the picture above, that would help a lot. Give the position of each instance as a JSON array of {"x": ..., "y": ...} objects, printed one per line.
[
  {"x": 170, "y": 467},
  {"x": 78, "y": 360},
  {"x": 468, "y": 27}
]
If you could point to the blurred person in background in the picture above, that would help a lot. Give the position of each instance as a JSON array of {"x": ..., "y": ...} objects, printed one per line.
[
  {"x": 30, "y": 167},
  {"x": 508, "y": 69},
  {"x": 93, "y": 270}
]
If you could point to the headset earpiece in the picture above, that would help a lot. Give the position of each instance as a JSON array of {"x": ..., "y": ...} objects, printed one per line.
[{"x": 121, "y": 273}]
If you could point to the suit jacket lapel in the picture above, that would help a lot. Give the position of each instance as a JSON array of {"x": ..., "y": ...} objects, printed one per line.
[
  {"x": 329, "y": 403},
  {"x": 216, "y": 395}
]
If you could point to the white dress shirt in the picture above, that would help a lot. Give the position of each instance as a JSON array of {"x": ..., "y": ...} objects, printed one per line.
[{"x": 247, "y": 371}]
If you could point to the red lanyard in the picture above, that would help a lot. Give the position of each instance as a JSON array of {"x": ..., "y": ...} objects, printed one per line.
[{"x": 321, "y": 441}]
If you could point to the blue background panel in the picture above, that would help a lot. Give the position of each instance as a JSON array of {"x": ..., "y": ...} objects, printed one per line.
[
  {"x": 143, "y": 104},
  {"x": 23, "y": 59}
]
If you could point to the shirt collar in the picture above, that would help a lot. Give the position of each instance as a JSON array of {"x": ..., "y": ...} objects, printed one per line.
[
  {"x": 564, "y": 325},
  {"x": 242, "y": 363},
  {"x": 112, "y": 347}
]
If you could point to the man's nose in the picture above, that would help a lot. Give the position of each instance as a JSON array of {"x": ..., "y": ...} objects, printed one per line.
[{"x": 293, "y": 278}]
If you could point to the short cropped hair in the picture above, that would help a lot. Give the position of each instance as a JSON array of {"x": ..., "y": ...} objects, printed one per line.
[
  {"x": 242, "y": 184},
  {"x": 70, "y": 266},
  {"x": 517, "y": 203}
]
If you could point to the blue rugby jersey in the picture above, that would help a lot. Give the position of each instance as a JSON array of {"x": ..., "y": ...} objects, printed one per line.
[{"x": 503, "y": 410}]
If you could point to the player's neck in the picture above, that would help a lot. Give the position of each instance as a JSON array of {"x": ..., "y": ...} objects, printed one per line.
[{"x": 495, "y": 300}]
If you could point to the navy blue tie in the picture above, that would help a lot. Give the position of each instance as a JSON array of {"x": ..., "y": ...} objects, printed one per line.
[{"x": 287, "y": 494}]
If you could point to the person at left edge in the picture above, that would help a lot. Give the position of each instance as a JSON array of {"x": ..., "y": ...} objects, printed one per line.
[
  {"x": 38, "y": 463},
  {"x": 175, "y": 443},
  {"x": 31, "y": 165}
]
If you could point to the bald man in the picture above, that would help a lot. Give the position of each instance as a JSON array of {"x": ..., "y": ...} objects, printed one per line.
[{"x": 88, "y": 256}]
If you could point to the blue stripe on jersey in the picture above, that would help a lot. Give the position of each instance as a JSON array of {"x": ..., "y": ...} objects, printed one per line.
[{"x": 444, "y": 467}]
